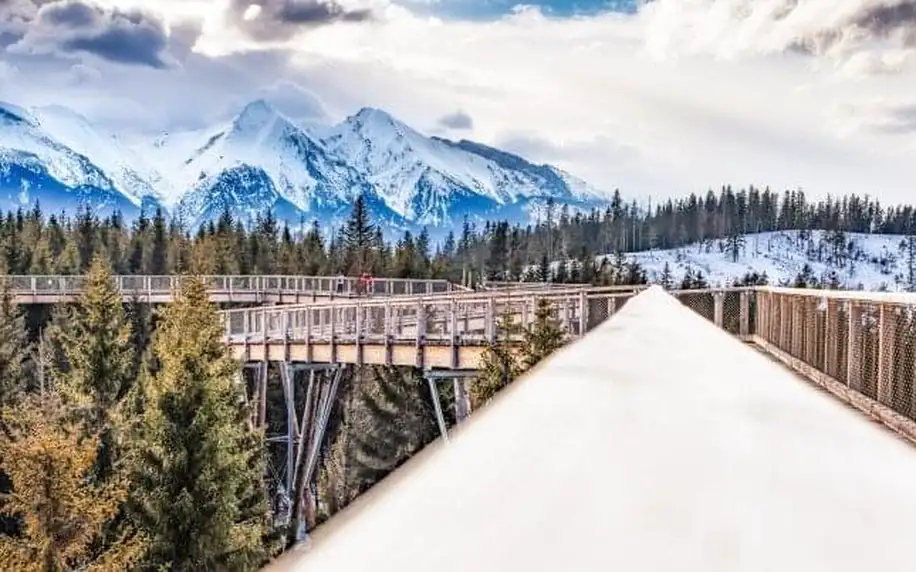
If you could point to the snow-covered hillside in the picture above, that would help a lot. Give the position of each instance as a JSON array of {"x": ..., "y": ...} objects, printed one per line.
[
  {"x": 264, "y": 160},
  {"x": 865, "y": 261}
]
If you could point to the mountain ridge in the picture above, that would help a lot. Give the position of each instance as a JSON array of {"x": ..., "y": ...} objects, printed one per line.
[{"x": 262, "y": 160}]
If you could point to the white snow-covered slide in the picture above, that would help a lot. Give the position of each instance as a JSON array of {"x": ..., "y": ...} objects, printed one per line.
[{"x": 656, "y": 443}]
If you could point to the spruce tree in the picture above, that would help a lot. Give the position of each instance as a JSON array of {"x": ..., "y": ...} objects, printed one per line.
[
  {"x": 499, "y": 364},
  {"x": 14, "y": 348},
  {"x": 13, "y": 356},
  {"x": 399, "y": 422},
  {"x": 97, "y": 348},
  {"x": 358, "y": 239},
  {"x": 199, "y": 496},
  {"x": 542, "y": 337}
]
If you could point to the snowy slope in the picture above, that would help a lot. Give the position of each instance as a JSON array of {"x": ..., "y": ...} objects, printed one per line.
[
  {"x": 129, "y": 172},
  {"x": 36, "y": 166},
  {"x": 871, "y": 262}
]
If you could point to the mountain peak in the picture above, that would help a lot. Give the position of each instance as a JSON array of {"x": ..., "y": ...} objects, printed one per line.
[
  {"x": 255, "y": 116},
  {"x": 374, "y": 118}
]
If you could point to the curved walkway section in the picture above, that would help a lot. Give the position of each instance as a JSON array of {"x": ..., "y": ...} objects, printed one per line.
[{"x": 658, "y": 442}]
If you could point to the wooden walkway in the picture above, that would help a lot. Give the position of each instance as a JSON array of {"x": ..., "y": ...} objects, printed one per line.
[{"x": 225, "y": 289}]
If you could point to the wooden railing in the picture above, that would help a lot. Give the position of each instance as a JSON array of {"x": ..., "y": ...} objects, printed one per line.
[
  {"x": 463, "y": 318},
  {"x": 860, "y": 346},
  {"x": 62, "y": 288}
]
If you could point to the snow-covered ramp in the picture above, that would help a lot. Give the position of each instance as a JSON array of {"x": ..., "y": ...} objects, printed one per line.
[{"x": 655, "y": 443}]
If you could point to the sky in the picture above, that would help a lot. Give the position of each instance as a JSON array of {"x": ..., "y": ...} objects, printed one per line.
[{"x": 657, "y": 98}]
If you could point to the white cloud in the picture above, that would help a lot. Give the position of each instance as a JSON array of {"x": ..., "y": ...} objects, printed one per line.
[{"x": 690, "y": 95}]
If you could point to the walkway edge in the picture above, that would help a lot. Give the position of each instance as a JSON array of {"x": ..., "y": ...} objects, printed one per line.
[{"x": 873, "y": 409}]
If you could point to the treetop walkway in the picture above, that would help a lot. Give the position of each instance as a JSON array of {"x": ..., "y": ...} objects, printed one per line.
[
  {"x": 658, "y": 441},
  {"x": 272, "y": 289}
]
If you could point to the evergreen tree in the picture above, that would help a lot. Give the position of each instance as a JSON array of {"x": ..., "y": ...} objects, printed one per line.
[
  {"x": 666, "y": 280},
  {"x": 543, "y": 336},
  {"x": 14, "y": 347},
  {"x": 908, "y": 250},
  {"x": 399, "y": 422},
  {"x": 358, "y": 238},
  {"x": 100, "y": 359},
  {"x": 499, "y": 364},
  {"x": 544, "y": 270},
  {"x": 198, "y": 465},
  {"x": 63, "y": 512}
]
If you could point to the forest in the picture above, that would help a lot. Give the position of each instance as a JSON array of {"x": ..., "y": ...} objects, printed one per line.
[
  {"x": 126, "y": 439},
  {"x": 33, "y": 242},
  {"x": 127, "y": 442}
]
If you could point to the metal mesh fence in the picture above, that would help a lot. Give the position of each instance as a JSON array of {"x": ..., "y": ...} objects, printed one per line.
[
  {"x": 703, "y": 303},
  {"x": 867, "y": 345}
]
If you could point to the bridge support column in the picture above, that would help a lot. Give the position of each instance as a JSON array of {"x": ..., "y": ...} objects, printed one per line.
[
  {"x": 459, "y": 379},
  {"x": 306, "y": 421}
]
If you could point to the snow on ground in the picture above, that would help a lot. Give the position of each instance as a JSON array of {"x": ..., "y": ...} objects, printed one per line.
[
  {"x": 870, "y": 261},
  {"x": 713, "y": 459}
]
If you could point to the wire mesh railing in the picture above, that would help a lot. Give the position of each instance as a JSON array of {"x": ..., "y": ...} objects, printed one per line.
[{"x": 865, "y": 342}]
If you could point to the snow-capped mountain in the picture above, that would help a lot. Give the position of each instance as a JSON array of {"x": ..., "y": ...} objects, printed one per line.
[
  {"x": 36, "y": 166},
  {"x": 426, "y": 180},
  {"x": 262, "y": 160}
]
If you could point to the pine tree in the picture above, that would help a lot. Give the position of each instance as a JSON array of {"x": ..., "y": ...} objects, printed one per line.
[
  {"x": 62, "y": 511},
  {"x": 399, "y": 422},
  {"x": 544, "y": 270},
  {"x": 666, "y": 280},
  {"x": 199, "y": 494},
  {"x": 100, "y": 359},
  {"x": 358, "y": 237},
  {"x": 499, "y": 364},
  {"x": 543, "y": 336},
  {"x": 14, "y": 347}
]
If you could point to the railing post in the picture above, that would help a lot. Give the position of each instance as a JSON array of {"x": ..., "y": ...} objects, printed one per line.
[
  {"x": 332, "y": 316},
  {"x": 886, "y": 335},
  {"x": 718, "y": 298},
  {"x": 853, "y": 345},
  {"x": 453, "y": 330},
  {"x": 420, "y": 333},
  {"x": 490, "y": 321},
  {"x": 744, "y": 314},
  {"x": 831, "y": 321},
  {"x": 359, "y": 334},
  {"x": 583, "y": 313},
  {"x": 810, "y": 324},
  {"x": 387, "y": 328}
]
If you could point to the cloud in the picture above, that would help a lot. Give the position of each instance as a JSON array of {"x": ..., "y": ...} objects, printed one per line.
[
  {"x": 15, "y": 16},
  {"x": 295, "y": 102},
  {"x": 730, "y": 100},
  {"x": 68, "y": 27},
  {"x": 838, "y": 31},
  {"x": 457, "y": 120},
  {"x": 8, "y": 72},
  {"x": 81, "y": 74},
  {"x": 281, "y": 19},
  {"x": 878, "y": 116}
]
